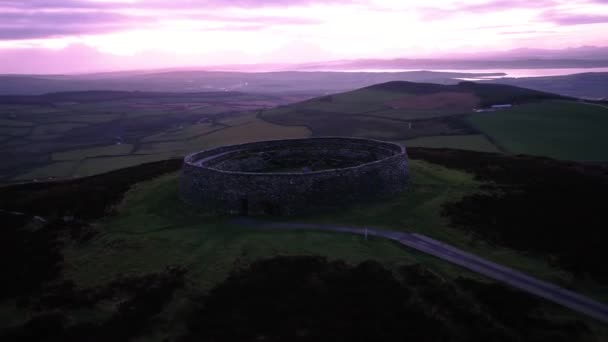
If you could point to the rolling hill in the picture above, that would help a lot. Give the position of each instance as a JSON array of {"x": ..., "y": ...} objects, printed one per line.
[
  {"x": 434, "y": 115},
  {"x": 64, "y": 135},
  {"x": 135, "y": 262}
]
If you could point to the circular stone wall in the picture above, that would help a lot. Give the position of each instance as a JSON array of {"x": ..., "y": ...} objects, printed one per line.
[{"x": 286, "y": 177}]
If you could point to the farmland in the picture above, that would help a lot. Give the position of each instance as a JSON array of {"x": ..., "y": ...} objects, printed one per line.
[
  {"x": 473, "y": 142},
  {"x": 399, "y": 110},
  {"x": 443, "y": 116},
  {"x": 79, "y": 134},
  {"x": 557, "y": 129}
]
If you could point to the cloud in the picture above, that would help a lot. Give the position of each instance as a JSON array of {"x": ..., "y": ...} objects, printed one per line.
[
  {"x": 458, "y": 8},
  {"x": 56, "y": 24},
  {"x": 526, "y": 32},
  {"x": 40, "y": 19},
  {"x": 156, "y": 4},
  {"x": 568, "y": 19},
  {"x": 501, "y": 5}
]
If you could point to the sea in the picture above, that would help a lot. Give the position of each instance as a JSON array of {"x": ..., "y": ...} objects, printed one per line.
[{"x": 515, "y": 73}]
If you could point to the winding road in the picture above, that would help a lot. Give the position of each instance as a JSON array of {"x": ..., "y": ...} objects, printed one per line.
[{"x": 459, "y": 257}]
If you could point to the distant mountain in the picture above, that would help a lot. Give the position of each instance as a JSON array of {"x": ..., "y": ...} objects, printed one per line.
[
  {"x": 456, "y": 64},
  {"x": 580, "y": 53},
  {"x": 314, "y": 83},
  {"x": 525, "y": 58}
]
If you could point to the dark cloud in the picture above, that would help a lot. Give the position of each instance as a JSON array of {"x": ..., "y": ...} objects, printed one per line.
[
  {"x": 38, "y": 19},
  {"x": 438, "y": 13},
  {"x": 566, "y": 19},
  {"x": 501, "y": 5},
  {"x": 526, "y": 32},
  {"x": 17, "y": 26},
  {"x": 157, "y": 4}
]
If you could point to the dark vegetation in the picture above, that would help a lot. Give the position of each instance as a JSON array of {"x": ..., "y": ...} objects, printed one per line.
[
  {"x": 303, "y": 299},
  {"x": 37, "y": 218},
  {"x": 310, "y": 299},
  {"x": 537, "y": 204},
  {"x": 31, "y": 259},
  {"x": 84, "y": 198},
  {"x": 139, "y": 300}
]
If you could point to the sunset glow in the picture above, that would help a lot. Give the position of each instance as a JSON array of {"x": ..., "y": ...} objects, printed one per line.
[{"x": 179, "y": 32}]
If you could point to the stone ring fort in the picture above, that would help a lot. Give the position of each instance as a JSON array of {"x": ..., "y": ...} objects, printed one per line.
[{"x": 294, "y": 176}]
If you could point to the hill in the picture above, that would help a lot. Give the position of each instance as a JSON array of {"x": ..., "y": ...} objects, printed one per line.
[
  {"x": 135, "y": 262},
  {"x": 63, "y": 135},
  {"x": 434, "y": 115}
]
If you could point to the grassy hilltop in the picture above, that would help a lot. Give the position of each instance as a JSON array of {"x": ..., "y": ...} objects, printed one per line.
[
  {"x": 118, "y": 256},
  {"x": 133, "y": 261},
  {"x": 432, "y": 115}
]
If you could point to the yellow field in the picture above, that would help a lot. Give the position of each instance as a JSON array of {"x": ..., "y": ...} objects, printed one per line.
[{"x": 255, "y": 130}]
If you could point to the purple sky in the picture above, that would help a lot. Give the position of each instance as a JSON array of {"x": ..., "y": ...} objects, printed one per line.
[{"x": 39, "y": 36}]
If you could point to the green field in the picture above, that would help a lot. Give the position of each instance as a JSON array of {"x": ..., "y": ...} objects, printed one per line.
[
  {"x": 88, "y": 128},
  {"x": 53, "y": 170},
  {"x": 556, "y": 129},
  {"x": 474, "y": 142},
  {"x": 97, "y": 165},
  {"x": 100, "y": 131},
  {"x": 151, "y": 229},
  {"x": 399, "y": 110},
  {"x": 370, "y": 113},
  {"x": 154, "y": 229},
  {"x": 254, "y": 130}
]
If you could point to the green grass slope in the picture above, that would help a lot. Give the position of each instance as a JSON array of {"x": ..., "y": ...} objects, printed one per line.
[
  {"x": 443, "y": 116},
  {"x": 399, "y": 110},
  {"x": 556, "y": 129},
  {"x": 473, "y": 142},
  {"x": 113, "y": 257}
]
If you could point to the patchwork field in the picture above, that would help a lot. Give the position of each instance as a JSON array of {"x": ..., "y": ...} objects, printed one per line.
[
  {"x": 399, "y": 110},
  {"x": 74, "y": 134},
  {"x": 77, "y": 134},
  {"x": 556, "y": 129}
]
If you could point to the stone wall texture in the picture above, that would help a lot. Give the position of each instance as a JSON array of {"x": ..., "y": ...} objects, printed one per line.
[{"x": 289, "y": 177}]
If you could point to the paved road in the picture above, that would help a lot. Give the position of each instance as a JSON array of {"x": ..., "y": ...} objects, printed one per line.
[
  {"x": 596, "y": 104},
  {"x": 459, "y": 257}
]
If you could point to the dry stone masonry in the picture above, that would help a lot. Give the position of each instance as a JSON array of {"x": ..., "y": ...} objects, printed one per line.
[{"x": 296, "y": 176}]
